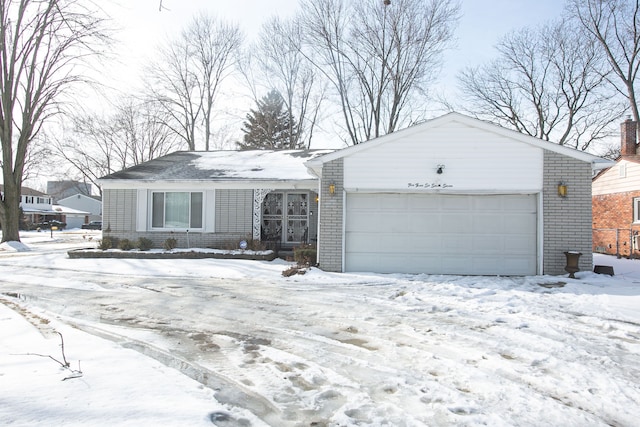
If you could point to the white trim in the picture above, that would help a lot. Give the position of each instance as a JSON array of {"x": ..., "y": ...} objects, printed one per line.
[
  {"x": 540, "y": 231},
  {"x": 209, "y": 206},
  {"x": 143, "y": 206},
  {"x": 149, "y": 215},
  {"x": 344, "y": 233},
  {"x": 112, "y": 184}
]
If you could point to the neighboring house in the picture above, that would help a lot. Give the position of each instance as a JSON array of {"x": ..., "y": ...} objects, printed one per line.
[
  {"x": 90, "y": 205},
  {"x": 616, "y": 200},
  {"x": 453, "y": 195},
  {"x": 73, "y": 218},
  {"x": 38, "y": 207}
]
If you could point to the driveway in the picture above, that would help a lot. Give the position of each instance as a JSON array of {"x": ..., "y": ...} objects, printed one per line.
[{"x": 359, "y": 349}]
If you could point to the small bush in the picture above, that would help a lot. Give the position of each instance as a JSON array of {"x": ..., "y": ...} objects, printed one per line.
[
  {"x": 106, "y": 243},
  {"x": 125, "y": 245},
  {"x": 170, "y": 244},
  {"x": 305, "y": 256},
  {"x": 293, "y": 270},
  {"x": 144, "y": 244}
]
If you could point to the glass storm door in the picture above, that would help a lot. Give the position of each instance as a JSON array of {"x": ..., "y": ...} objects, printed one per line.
[{"x": 297, "y": 217}]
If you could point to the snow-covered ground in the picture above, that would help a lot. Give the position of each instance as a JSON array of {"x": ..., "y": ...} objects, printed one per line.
[{"x": 234, "y": 343}]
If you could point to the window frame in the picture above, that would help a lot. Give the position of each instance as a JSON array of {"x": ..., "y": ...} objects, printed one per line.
[
  {"x": 636, "y": 210},
  {"x": 191, "y": 214}
]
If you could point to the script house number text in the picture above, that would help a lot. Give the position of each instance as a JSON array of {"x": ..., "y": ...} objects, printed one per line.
[{"x": 428, "y": 185}]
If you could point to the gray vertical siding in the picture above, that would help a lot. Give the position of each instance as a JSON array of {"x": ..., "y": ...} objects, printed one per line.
[
  {"x": 119, "y": 210},
  {"x": 234, "y": 211},
  {"x": 567, "y": 221},
  {"x": 331, "y": 219}
]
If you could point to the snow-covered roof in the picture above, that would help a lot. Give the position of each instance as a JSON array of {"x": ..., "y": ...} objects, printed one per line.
[
  {"x": 64, "y": 210},
  {"x": 248, "y": 165}
]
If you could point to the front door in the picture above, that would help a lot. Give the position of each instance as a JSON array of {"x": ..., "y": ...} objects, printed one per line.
[{"x": 285, "y": 217}]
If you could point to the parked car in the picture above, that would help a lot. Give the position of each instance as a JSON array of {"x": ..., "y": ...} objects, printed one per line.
[
  {"x": 46, "y": 225},
  {"x": 93, "y": 225}
]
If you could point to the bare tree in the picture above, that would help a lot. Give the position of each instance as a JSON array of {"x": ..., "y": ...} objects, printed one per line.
[
  {"x": 40, "y": 43},
  {"x": 282, "y": 66},
  {"x": 378, "y": 56},
  {"x": 615, "y": 25},
  {"x": 189, "y": 72},
  {"x": 547, "y": 82},
  {"x": 97, "y": 146}
]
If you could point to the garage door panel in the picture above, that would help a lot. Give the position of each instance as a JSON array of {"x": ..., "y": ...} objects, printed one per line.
[
  {"x": 456, "y": 222},
  {"x": 519, "y": 222},
  {"x": 455, "y": 203},
  {"x": 441, "y": 234},
  {"x": 428, "y": 222},
  {"x": 520, "y": 244},
  {"x": 486, "y": 224}
]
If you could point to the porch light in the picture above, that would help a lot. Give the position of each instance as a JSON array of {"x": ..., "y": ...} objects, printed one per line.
[
  {"x": 562, "y": 189},
  {"x": 332, "y": 189}
]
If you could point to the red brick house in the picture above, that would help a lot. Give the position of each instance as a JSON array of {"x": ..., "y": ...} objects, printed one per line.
[{"x": 616, "y": 200}]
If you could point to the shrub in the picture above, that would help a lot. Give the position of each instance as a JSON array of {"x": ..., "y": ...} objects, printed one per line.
[
  {"x": 144, "y": 244},
  {"x": 106, "y": 243},
  {"x": 293, "y": 270},
  {"x": 125, "y": 245},
  {"x": 305, "y": 256},
  {"x": 170, "y": 243}
]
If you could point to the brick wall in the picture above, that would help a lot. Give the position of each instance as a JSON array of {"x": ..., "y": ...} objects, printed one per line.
[
  {"x": 331, "y": 217},
  {"x": 567, "y": 220},
  {"x": 613, "y": 226}
]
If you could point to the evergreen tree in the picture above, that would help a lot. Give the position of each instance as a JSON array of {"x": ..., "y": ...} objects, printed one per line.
[{"x": 270, "y": 126}]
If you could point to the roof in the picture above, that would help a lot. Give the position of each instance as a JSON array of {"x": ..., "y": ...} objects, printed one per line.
[
  {"x": 26, "y": 191},
  {"x": 228, "y": 165},
  {"x": 64, "y": 210},
  {"x": 83, "y": 196},
  {"x": 597, "y": 163}
]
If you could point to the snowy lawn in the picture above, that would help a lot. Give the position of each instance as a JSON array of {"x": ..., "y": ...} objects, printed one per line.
[{"x": 234, "y": 343}]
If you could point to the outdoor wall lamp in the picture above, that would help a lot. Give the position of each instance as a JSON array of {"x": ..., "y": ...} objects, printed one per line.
[
  {"x": 332, "y": 189},
  {"x": 562, "y": 189},
  {"x": 440, "y": 169}
]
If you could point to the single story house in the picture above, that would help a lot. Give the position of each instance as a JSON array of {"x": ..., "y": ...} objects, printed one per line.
[
  {"x": 453, "y": 195},
  {"x": 616, "y": 199}
]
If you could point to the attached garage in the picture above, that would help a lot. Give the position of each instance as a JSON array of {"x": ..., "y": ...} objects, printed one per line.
[
  {"x": 454, "y": 195},
  {"x": 441, "y": 234}
]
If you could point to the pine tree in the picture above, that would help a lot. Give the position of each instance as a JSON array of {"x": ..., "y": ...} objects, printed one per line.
[{"x": 270, "y": 126}]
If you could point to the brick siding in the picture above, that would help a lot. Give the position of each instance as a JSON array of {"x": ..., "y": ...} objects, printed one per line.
[
  {"x": 331, "y": 220},
  {"x": 567, "y": 220},
  {"x": 613, "y": 226}
]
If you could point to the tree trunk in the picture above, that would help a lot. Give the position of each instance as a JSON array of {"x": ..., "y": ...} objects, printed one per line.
[{"x": 10, "y": 212}]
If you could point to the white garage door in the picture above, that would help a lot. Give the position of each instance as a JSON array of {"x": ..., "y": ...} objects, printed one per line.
[{"x": 441, "y": 234}]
